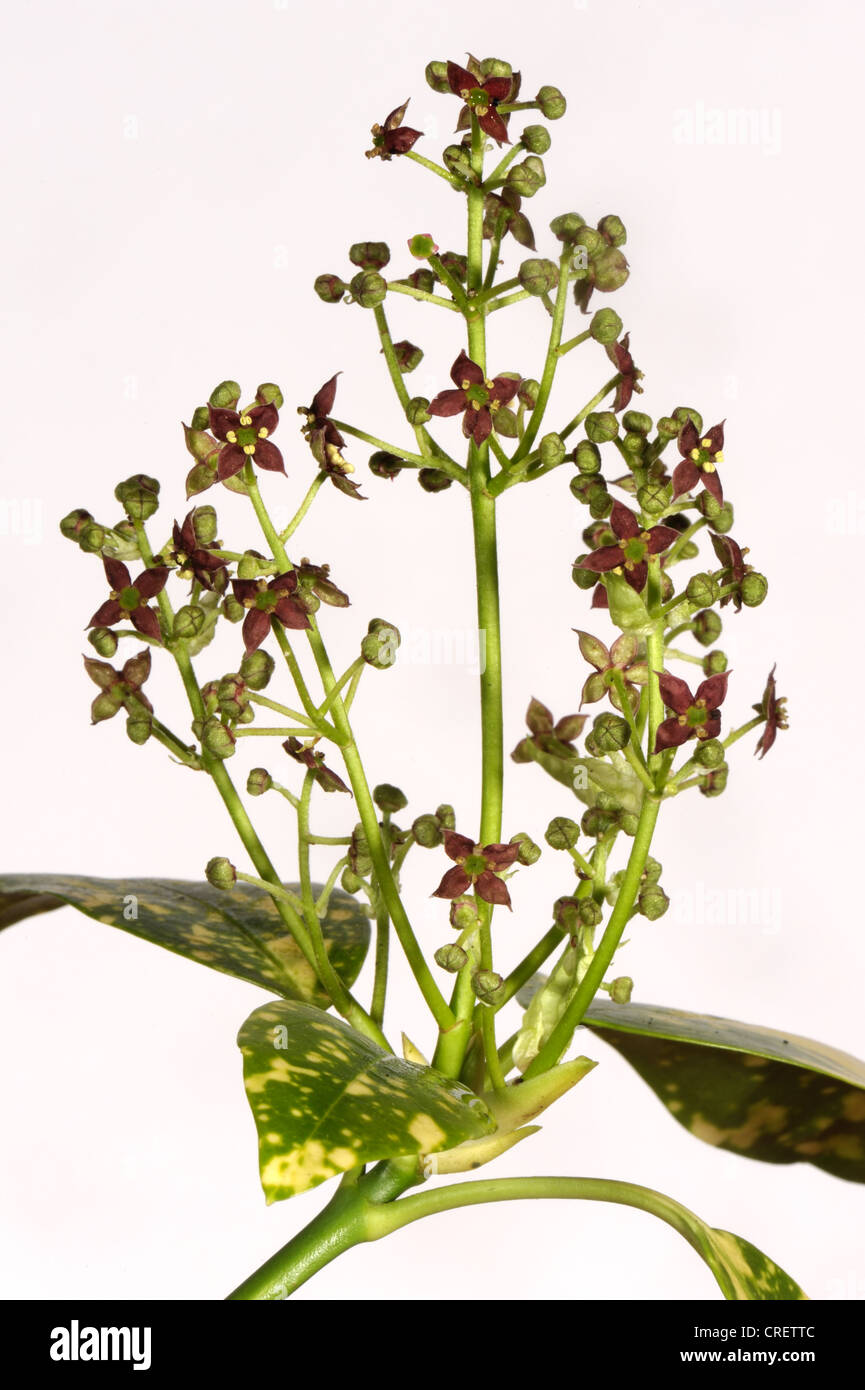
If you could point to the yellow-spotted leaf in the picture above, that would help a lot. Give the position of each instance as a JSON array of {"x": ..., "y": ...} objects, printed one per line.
[
  {"x": 237, "y": 932},
  {"x": 325, "y": 1098},
  {"x": 751, "y": 1090}
]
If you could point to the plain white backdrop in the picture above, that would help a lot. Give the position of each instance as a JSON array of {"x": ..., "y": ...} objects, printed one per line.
[{"x": 176, "y": 175}]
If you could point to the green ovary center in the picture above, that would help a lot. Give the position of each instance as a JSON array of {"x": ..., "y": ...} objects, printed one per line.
[
  {"x": 129, "y": 599},
  {"x": 475, "y": 864},
  {"x": 635, "y": 551},
  {"x": 697, "y": 716},
  {"x": 477, "y": 396}
]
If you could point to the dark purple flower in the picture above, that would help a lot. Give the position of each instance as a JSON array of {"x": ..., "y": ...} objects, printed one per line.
[
  {"x": 694, "y": 716},
  {"x": 476, "y": 398},
  {"x": 392, "y": 137},
  {"x": 120, "y": 687},
  {"x": 325, "y": 440},
  {"x": 245, "y": 436},
  {"x": 266, "y": 601},
  {"x": 193, "y": 561},
  {"x": 128, "y": 600},
  {"x": 732, "y": 558},
  {"x": 482, "y": 97},
  {"x": 620, "y": 355},
  {"x": 326, "y": 778},
  {"x": 476, "y": 866},
  {"x": 699, "y": 459},
  {"x": 547, "y": 735},
  {"x": 774, "y": 710},
  {"x": 631, "y": 556}
]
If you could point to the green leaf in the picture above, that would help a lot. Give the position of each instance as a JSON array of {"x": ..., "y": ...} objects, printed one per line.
[
  {"x": 747, "y": 1089},
  {"x": 325, "y": 1098},
  {"x": 627, "y": 609},
  {"x": 237, "y": 932}
]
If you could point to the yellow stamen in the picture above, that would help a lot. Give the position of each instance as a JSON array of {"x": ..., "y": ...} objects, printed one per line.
[
  {"x": 249, "y": 449},
  {"x": 719, "y": 457},
  {"x": 464, "y": 385},
  {"x": 695, "y": 455},
  {"x": 246, "y": 419},
  {"x": 231, "y": 436},
  {"x": 708, "y": 467},
  {"x": 706, "y": 443},
  {"x": 263, "y": 433}
]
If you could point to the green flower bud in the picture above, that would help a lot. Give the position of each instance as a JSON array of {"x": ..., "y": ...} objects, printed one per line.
[
  {"x": 536, "y": 139},
  {"x": 538, "y": 276},
  {"x": 633, "y": 444},
  {"x": 562, "y": 833},
  {"x": 330, "y": 288},
  {"x": 552, "y": 451},
  {"x": 629, "y": 823},
  {"x": 702, "y": 589},
  {"x": 654, "y": 498},
  {"x": 259, "y": 781},
  {"x": 417, "y": 412},
  {"x": 464, "y": 915},
  {"x": 723, "y": 521},
  {"x": 368, "y": 289},
  {"x": 584, "y": 579},
  {"x": 200, "y": 419},
  {"x": 433, "y": 480},
  {"x": 715, "y": 782},
  {"x": 379, "y": 646},
  {"x": 487, "y": 985},
  {"x": 422, "y": 246},
  {"x": 653, "y": 902},
  {"x": 551, "y": 102},
  {"x": 495, "y": 67},
  {"x": 589, "y": 912},
  {"x": 611, "y": 732},
  {"x": 92, "y": 538},
  {"x": 594, "y": 751},
  {"x": 652, "y": 870},
  {"x": 256, "y": 669},
  {"x": 388, "y": 798},
  {"x": 350, "y": 881},
  {"x": 714, "y": 663},
  {"x": 217, "y": 738},
  {"x": 225, "y": 395},
  {"x": 587, "y": 457},
  {"x": 427, "y": 832},
  {"x": 457, "y": 265},
  {"x": 269, "y": 393},
  {"x": 600, "y": 501},
  {"x": 446, "y": 816},
  {"x": 709, "y": 753},
  {"x": 369, "y": 255},
  {"x": 605, "y": 326},
  {"x": 408, "y": 356},
  {"x": 436, "y": 75},
  {"x": 525, "y": 179},
  {"x": 106, "y": 705},
  {"x": 566, "y": 226},
  {"x": 612, "y": 228},
  {"x": 754, "y": 588},
  {"x": 188, "y": 621},
  {"x": 709, "y": 506},
  {"x": 590, "y": 239},
  {"x": 601, "y": 426},
  {"x": 505, "y": 421},
  {"x": 103, "y": 640},
  {"x": 611, "y": 270},
  {"x": 529, "y": 853},
  {"x": 528, "y": 392},
  {"x": 139, "y": 496},
  {"x": 220, "y": 873},
  {"x": 422, "y": 279},
  {"x": 621, "y": 989},
  {"x": 707, "y": 627},
  {"x": 210, "y": 698},
  {"x": 457, "y": 160},
  {"x": 566, "y": 914},
  {"x": 251, "y": 565},
  {"x": 636, "y": 420},
  {"x": 233, "y": 610},
  {"x": 451, "y": 957},
  {"x": 668, "y": 428},
  {"x": 74, "y": 523},
  {"x": 384, "y": 465},
  {"x": 689, "y": 550},
  {"x": 204, "y": 524},
  {"x": 232, "y": 695}
]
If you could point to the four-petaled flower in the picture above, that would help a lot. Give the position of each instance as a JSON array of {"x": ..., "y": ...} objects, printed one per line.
[
  {"x": 700, "y": 457},
  {"x": 244, "y": 435},
  {"x": 620, "y": 355},
  {"x": 193, "y": 561},
  {"x": 392, "y": 137},
  {"x": 694, "y": 716},
  {"x": 476, "y": 866},
  {"x": 619, "y": 657},
  {"x": 326, "y": 778},
  {"x": 732, "y": 557},
  {"x": 631, "y": 556},
  {"x": 325, "y": 440},
  {"x": 128, "y": 600},
  {"x": 482, "y": 97},
  {"x": 118, "y": 687},
  {"x": 774, "y": 710},
  {"x": 548, "y": 736},
  {"x": 476, "y": 398},
  {"x": 266, "y": 601}
]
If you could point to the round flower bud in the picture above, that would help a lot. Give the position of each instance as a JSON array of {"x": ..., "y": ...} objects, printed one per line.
[
  {"x": 636, "y": 420},
  {"x": 225, "y": 396},
  {"x": 92, "y": 538},
  {"x": 611, "y": 270},
  {"x": 612, "y": 228},
  {"x": 427, "y": 832},
  {"x": 232, "y": 695},
  {"x": 408, "y": 356},
  {"x": 587, "y": 457},
  {"x": 524, "y": 179},
  {"x": 422, "y": 246},
  {"x": 464, "y": 915},
  {"x": 715, "y": 782},
  {"x": 450, "y": 957},
  {"x": 600, "y": 501},
  {"x": 217, "y": 738},
  {"x": 103, "y": 640},
  {"x": 562, "y": 833},
  {"x": 330, "y": 288},
  {"x": 709, "y": 753},
  {"x": 384, "y": 465},
  {"x": 139, "y": 496},
  {"x": 551, "y": 102},
  {"x": 457, "y": 160},
  {"x": 723, "y": 522},
  {"x": 256, "y": 668},
  {"x": 621, "y": 989},
  {"x": 605, "y": 326},
  {"x": 495, "y": 67},
  {"x": 654, "y": 498},
  {"x": 684, "y": 413},
  {"x": 74, "y": 523},
  {"x": 369, "y": 255},
  {"x": 714, "y": 663},
  {"x": 707, "y": 627},
  {"x": 457, "y": 265},
  {"x": 594, "y": 751},
  {"x": 106, "y": 705},
  {"x": 689, "y": 550},
  {"x": 652, "y": 870},
  {"x": 204, "y": 524},
  {"x": 589, "y": 912},
  {"x": 536, "y": 139},
  {"x": 611, "y": 732},
  {"x": 422, "y": 279},
  {"x": 251, "y": 565},
  {"x": 200, "y": 418},
  {"x": 188, "y": 621},
  {"x": 259, "y": 781},
  {"x": 566, "y": 914},
  {"x": 379, "y": 646},
  {"x": 487, "y": 985},
  {"x": 633, "y": 444},
  {"x": 590, "y": 239},
  {"x": 368, "y": 289},
  {"x": 417, "y": 412},
  {"x": 754, "y": 588},
  {"x": 350, "y": 881},
  {"x": 668, "y": 428},
  {"x": 653, "y": 902},
  {"x": 433, "y": 480},
  {"x": 566, "y": 226},
  {"x": 388, "y": 798},
  {"x": 552, "y": 450},
  {"x": 702, "y": 589},
  {"x": 210, "y": 699},
  {"x": 538, "y": 276},
  {"x": 436, "y": 75},
  {"x": 709, "y": 506},
  {"x": 601, "y": 426},
  {"x": 139, "y": 727},
  {"x": 528, "y": 392},
  {"x": 220, "y": 873},
  {"x": 584, "y": 579},
  {"x": 629, "y": 823},
  {"x": 529, "y": 853},
  {"x": 505, "y": 421},
  {"x": 269, "y": 393},
  {"x": 446, "y": 816}
]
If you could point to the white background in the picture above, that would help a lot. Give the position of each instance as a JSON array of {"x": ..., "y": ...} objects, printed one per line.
[{"x": 176, "y": 175}]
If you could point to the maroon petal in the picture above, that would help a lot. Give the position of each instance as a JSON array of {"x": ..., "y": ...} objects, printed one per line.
[
  {"x": 712, "y": 483},
  {"x": 231, "y": 460},
  {"x": 264, "y": 417},
  {"x": 448, "y": 403},
  {"x": 671, "y": 734},
  {"x": 624, "y": 523},
  {"x": 458, "y": 846},
  {"x": 464, "y": 369},
  {"x": 624, "y": 392},
  {"x": 609, "y": 557},
  {"x": 221, "y": 421},
  {"x": 290, "y": 614},
  {"x": 401, "y": 141},
  {"x": 504, "y": 389},
  {"x": 268, "y": 456},
  {"x": 599, "y": 597},
  {"x": 688, "y": 439},
  {"x": 109, "y": 613},
  {"x": 675, "y": 693},
  {"x": 455, "y": 882},
  {"x": 498, "y": 88},
  {"x": 152, "y": 582},
  {"x": 492, "y": 123},
  {"x": 637, "y": 576},
  {"x": 713, "y": 690},
  {"x": 116, "y": 573},
  {"x": 460, "y": 80},
  {"x": 322, "y": 401},
  {"x": 500, "y": 856},
  {"x": 332, "y": 435},
  {"x": 396, "y": 116},
  {"x": 716, "y": 437},
  {"x": 686, "y": 475},
  {"x": 712, "y": 726},
  {"x": 245, "y": 589},
  {"x": 256, "y": 626},
  {"x": 492, "y": 890},
  {"x": 285, "y": 583},
  {"x": 146, "y": 621},
  {"x": 660, "y": 538},
  {"x": 481, "y": 427},
  {"x": 538, "y": 718}
]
